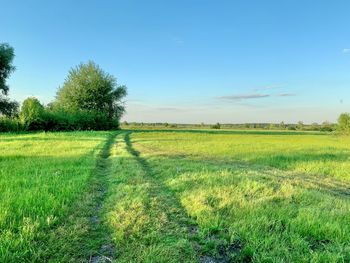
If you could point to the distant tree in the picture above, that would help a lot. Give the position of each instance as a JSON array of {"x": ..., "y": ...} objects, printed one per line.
[
  {"x": 327, "y": 126},
  {"x": 315, "y": 126},
  {"x": 344, "y": 122},
  {"x": 282, "y": 125},
  {"x": 7, "y": 107},
  {"x": 31, "y": 111},
  {"x": 216, "y": 126},
  {"x": 89, "y": 88},
  {"x": 300, "y": 125},
  {"x": 271, "y": 126}
]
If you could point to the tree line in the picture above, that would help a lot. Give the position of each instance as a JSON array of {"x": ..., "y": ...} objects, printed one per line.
[
  {"x": 300, "y": 126},
  {"x": 89, "y": 99}
]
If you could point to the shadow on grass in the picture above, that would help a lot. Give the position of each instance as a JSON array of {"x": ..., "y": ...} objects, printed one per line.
[
  {"x": 241, "y": 183},
  {"x": 312, "y": 212},
  {"x": 263, "y": 173},
  {"x": 210, "y": 248}
]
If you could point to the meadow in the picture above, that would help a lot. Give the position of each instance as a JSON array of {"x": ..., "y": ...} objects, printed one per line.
[{"x": 175, "y": 196}]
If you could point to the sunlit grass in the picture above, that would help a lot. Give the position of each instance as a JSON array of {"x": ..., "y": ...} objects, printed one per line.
[
  {"x": 312, "y": 154},
  {"x": 146, "y": 223},
  {"x": 229, "y": 184},
  {"x": 175, "y": 196},
  {"x": 41, "y": 177}
]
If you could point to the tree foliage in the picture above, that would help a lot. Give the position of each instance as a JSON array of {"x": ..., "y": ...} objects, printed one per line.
[
  {"x": 89, "y": 88},
  {"x": 31, "y": 111},
  {"x": 7, "y": 107},
  {"x": 344, "y": 122},
  {"x": 6, "y": 68},
  {"x": 216, "y": 126}
]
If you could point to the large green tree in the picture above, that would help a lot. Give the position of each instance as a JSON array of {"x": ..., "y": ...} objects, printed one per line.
[
  {"x": 7, "y": 107},
  {"x": 89, "y": 88}
]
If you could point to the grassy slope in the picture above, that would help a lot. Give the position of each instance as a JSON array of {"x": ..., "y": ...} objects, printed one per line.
[
  {"x": 47, "y": 195},
  {"x": 244, "y": 209}
]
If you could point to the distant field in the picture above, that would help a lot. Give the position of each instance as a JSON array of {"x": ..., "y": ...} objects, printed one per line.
[{"x": 175, "y": 196}]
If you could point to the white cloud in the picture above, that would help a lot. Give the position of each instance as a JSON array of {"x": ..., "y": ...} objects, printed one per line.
[{"x": 286, "y": 95}]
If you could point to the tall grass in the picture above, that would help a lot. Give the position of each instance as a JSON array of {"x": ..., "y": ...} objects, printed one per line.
[{"x": 42, "y": 177}]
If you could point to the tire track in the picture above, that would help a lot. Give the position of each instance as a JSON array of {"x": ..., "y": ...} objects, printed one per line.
[{"x": 106, "y": 249}]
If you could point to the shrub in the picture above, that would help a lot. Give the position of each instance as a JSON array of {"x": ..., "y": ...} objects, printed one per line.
[
  {"x": 10, "y": 125},
  {"x": 216, "y": 126},
  {"x": 32, "y": 114},
  {"x": 344, "y": 123},
  {"x": 80, "y": 120}
]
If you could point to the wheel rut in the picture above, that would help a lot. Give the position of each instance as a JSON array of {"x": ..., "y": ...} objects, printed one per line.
[{"x": 104, "y": 248}]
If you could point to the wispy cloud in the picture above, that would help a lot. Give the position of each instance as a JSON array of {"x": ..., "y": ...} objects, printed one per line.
[
  {"x": 346, "y": 50},
  {"x": 172, "y": 109},
  {"x": 286, "y": 95},
  {"x": 243, "y": 97}
]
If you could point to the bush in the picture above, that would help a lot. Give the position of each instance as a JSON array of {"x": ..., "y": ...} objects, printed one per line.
[
  {"x": 60, "y": 121},
  {"x": 10, "y": 125},
  {"x": 32, "y": 114},
  {"x": 216, "y": 126},
  {"x": 81, "y": 120}
]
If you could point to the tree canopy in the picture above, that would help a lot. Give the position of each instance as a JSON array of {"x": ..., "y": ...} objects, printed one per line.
[
  {"x": 88, "y": 88},
  {"x": 7, "y": 107},
  {"x": 6, "y": 68},
  {"x": 31, "y": 110},
  {"x": 344, "y": 122}
]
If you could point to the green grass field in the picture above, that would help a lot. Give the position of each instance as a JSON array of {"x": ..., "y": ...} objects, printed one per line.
[{"x": 175, "y": 196}]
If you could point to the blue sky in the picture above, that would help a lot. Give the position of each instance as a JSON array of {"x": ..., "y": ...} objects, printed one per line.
[{"x": 191, "y": 61}]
